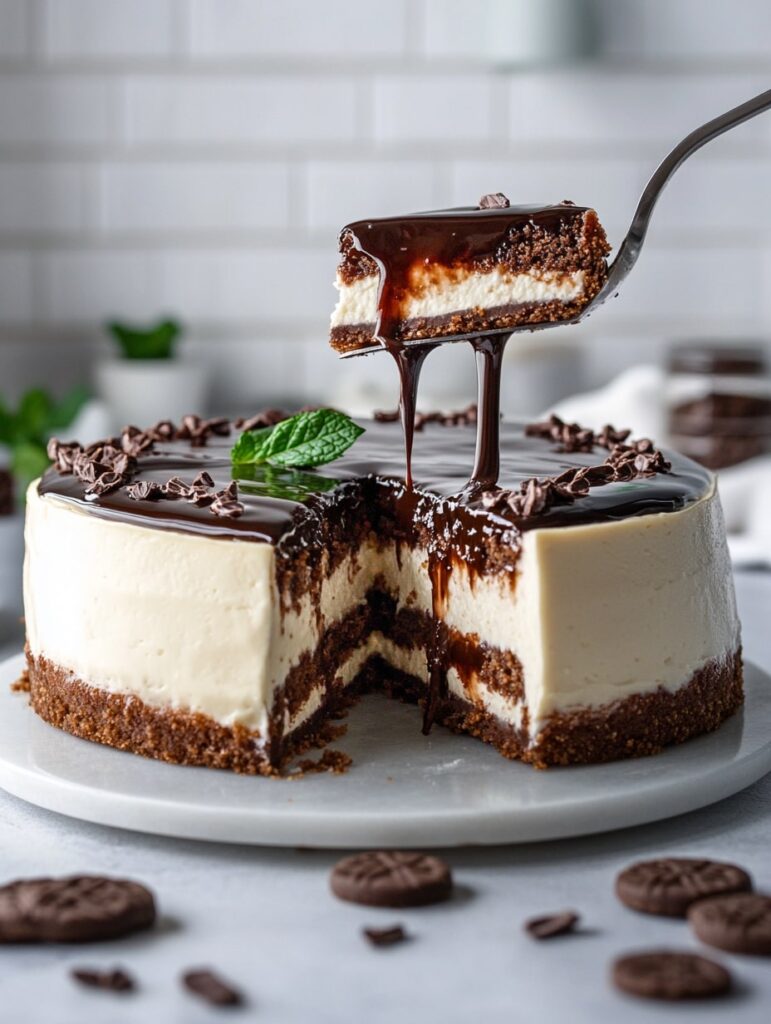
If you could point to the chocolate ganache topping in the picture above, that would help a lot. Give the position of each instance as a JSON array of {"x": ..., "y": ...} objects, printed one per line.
[{"x": 168, "y": 476}]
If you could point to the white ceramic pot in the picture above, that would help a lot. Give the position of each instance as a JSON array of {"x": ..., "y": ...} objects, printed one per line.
[
  {"x": 143, "y": 391},
  {"x": 11, "y": 561},
  {"x": 540, "y": 32}
]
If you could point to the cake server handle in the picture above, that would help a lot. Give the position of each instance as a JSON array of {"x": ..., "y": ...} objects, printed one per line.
[{"x": 632, "y": 245}]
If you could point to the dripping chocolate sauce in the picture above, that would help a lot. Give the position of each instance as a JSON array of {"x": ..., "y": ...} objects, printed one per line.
[{"x": 401, "y": 248}]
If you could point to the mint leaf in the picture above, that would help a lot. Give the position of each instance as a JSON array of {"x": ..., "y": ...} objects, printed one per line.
[
  {"x": 307, "y": 439},
  {"x": 249, "y": 443}
]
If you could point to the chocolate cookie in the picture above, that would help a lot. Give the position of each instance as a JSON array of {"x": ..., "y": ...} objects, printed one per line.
[
  {"x": 666, "y": 974},
  {"x": 391, "y": 879},
  {"x": 668, "y": 886},
  {"x": 740, "y": 923},
  {"x": 82, "y": 908},
  {"x": 550, "y": 925}
]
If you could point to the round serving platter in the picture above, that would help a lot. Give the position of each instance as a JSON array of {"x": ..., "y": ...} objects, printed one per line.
[{"x": 403, "y": 789}]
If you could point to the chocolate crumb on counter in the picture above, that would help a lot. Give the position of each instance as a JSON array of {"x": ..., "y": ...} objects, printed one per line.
[
  {"x": 385, "y": 936},
  {"x": 116, "y": 980},
  {"x": 210, "y": 987},
  {"x": 548, "y": 926}
]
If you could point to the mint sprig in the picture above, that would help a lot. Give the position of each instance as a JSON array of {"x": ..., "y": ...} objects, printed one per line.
[
  {"x": 307, "y": 439},
  {"x": 25, "y": 430}
]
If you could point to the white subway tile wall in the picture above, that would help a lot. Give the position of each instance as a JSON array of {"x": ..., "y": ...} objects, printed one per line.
[{"x": 197, "y": 158}]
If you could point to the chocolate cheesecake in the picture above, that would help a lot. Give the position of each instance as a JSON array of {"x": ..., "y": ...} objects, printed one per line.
[
  {"x": 579, "y": 610},
  {"x": 465, "y": 271}
]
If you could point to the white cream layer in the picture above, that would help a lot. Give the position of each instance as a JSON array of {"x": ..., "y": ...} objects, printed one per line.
[
  {"x": 594, "y": 613},
  {"x": 441, "y": 294}
]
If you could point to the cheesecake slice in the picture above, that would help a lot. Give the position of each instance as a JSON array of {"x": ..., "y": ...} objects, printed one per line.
[{"x": 464, "y": 271}]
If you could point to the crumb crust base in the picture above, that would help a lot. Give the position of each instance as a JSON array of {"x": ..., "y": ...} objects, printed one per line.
[{"x": 636, "y": 726}]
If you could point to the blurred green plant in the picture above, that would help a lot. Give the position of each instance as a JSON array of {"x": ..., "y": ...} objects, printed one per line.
[
  {"x": 25, "y": 430},
  {"x": 154, "y": 342}
]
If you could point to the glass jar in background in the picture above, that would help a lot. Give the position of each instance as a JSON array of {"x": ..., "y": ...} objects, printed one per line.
[{"x": 719, "y": 402}]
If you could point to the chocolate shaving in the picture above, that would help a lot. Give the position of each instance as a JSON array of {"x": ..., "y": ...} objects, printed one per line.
[
  {"x": 494, "y": 201},
  {"x": 227, "y": 508},
  {"x": 114, "y": 981},
  {"x": 176, "y": 488},
  {"x": 144, "y": 490},
  {"x": 266, "y": 418},
  {"x": 203, "y": 480},
  {"x": 458, "y": 418},
  {"x": 386, "y": 415},
  {"x": 164, "y": 430},
  {"x": 134, "y": 441},
  {"x": 210, "y": 987},
  {"x": 198, "y": 431},
  {"x": 105, "y": 483},
  {"x": 385, "y": 936}
]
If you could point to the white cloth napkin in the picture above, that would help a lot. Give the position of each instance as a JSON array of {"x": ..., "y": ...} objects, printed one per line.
[{"x": 636, "y": 399}]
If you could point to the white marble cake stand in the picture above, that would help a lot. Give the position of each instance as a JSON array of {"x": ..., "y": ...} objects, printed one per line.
[{"x": 404, "y": 789}]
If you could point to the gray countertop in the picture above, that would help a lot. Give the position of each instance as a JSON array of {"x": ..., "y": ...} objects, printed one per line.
[{"x": 266, "y": 920}]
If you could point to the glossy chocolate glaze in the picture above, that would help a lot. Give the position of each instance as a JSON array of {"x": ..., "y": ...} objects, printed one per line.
[{"x": 277, "y": 500}]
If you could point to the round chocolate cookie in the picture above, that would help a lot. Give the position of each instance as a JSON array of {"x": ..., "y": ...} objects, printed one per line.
[
  {"x": 670, "y": 885},
  {"x": 670, "y": 975},
  {"x": 385, "y": 878},
  {"x": 82, "y": 908},
  {"x": 740, "y": 923}
]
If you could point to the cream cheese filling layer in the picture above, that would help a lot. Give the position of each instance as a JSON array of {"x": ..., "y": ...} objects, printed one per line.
[
  {"x": 593, "y": 613},
  {"x": 442, "y": 294}
]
